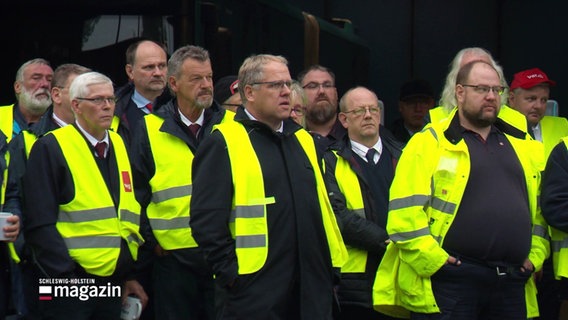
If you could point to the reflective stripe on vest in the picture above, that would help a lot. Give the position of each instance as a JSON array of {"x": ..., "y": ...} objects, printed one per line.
[
  {"x": 248, "y": 223},
  {"x": 89, "y": 224},
  {"x": 350, "y": 187},
  {"x": 168, "y": 211}
]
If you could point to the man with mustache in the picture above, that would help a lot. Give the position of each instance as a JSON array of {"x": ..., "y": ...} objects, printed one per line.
[
  {"x": 466, "y": 234},
  {"x": 321, "y": 112},
  {"x": 59, "y": 115},
  {"x": 162, "y": 154},
  {"x": 146, "y": 68},
  {"x": 32, "y": 88}
]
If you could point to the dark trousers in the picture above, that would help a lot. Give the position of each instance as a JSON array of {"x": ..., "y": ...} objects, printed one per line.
[
  {"x": 179, "y": 293},
  {"x": 72, "y": 308},
  {"x": 472, "y": 291},
  {"x": 359, "y": 313},
  {"x": 548, "y": 293}
]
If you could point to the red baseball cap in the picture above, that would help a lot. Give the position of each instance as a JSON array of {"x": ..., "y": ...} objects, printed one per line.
[{"x": 530, "y": 78}]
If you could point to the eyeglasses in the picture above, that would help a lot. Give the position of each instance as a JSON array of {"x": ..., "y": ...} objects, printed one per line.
[
  {"x": 278, "y": 85},
  {"x": 362, "y": 110},
  {"x": 99, "y": 101},
  {"x": 481, "y": 89},
  {"x": 316, "y": 85},
  {"x": 298, "y": 111}
]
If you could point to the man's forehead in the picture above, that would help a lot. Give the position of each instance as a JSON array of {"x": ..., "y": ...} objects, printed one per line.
[{"x": 317, "y": 75}]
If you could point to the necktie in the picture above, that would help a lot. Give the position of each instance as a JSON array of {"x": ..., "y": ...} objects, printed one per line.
[
  {"x": 149, "y": 106},
  {"x": 100, "y": 148},
  {"x": 194, "y": 128},
  {"x": 371, "y": 156}
]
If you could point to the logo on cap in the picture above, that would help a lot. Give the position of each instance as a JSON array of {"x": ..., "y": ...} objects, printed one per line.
[{"x": 530, "y": 78}]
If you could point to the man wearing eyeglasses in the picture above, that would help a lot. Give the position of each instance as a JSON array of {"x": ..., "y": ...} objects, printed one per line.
[
  {"x": 260, "y": 209},
  {"x": 321, "y": 111},
  {"x": 358, "y": 175},
  {"x": 466, "y": 232},
  {"x": 82, "y": 219}
]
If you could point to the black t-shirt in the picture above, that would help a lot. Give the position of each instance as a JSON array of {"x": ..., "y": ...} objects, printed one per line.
[{"x": 493, "y": 221}]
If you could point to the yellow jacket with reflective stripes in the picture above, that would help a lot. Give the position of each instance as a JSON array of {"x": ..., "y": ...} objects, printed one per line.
[
  {"x": 90, "y": 225},
  {"x": 508, "y": 114},
  {"x": 553, "y": 129},
  {"x": 348, "y": 184},
  {"x": 168, "y": 210},
  {"x": 248, "y": 224},
  {"x": 421, "y": 213}
]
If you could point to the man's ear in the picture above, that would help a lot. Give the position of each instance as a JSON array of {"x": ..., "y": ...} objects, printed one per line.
[{"x": 343, "y": 119}]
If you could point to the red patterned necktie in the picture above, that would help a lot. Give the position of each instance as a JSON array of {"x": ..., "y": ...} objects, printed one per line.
[
  {"x": 100, "y": 148},
  {"x": 150, "y": 107},
  {"x": 194, "y": 128}
]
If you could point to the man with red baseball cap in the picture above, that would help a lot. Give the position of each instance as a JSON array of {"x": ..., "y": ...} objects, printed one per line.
[{"x": 528, "y": 94}]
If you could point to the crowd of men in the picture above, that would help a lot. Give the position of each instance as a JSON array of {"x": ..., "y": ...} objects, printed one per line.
[{"x": 268, "y": 197}]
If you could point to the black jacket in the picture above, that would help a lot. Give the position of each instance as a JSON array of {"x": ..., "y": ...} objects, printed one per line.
[
  {"x": 359, "y": 232},
  {"x": 554, "y": 194},
  {"x": 47, "y": 183},
  {"x": 297, "y": 276},
  {"x": 129, "y": 114},
  {"x": 144, "y": 169}
]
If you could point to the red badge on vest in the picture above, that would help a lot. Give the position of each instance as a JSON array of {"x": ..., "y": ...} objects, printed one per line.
[{"x": 126, "y": 181}]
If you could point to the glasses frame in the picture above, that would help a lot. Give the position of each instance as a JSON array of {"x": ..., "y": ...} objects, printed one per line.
[
  {"x": 483, "y": 89},
  {"x": 360, "y": 111},
  {"x": 295, "y": 110},
  {"x": 99, "y": 101},
  {"x": 317, "y": 85},
  {"x": 275, "y": 84}
]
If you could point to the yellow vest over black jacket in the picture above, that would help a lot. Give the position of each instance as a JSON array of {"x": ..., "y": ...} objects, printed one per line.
[{"x": 89, "y": 224}]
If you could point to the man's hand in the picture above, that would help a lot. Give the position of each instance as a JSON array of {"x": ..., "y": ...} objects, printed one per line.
[
  {"x": 527, "y": 266},
  {"x": 12, "y": 230},
  {"x": 133, "y": 287}
]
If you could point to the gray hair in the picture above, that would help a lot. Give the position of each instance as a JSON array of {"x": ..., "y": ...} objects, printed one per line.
[
  {"x": 80, "y": 85},
  {"x": 252, "y": 70},
  {"x": 448, "y": 96},
  {"x": 180, "y": 55},
  {"x": 20, "y": 72}
]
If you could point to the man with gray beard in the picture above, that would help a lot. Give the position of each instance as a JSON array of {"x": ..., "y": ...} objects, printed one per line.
[
  {"x": 33, "y": 95},
  {"x": 161, "y": 156},
  {"x": 321, "y": 113}
]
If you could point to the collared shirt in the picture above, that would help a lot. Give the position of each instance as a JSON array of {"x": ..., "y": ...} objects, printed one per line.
[
  {"x": 140, "y": 101},
  {"x": 537, "y": 132},
  {"x": 280, "y": 128},
  {"x": 188, "y": 122},
  {"x": 58, "y": 121},
  {"x": 92, "y": 140},
  {"x": 361, "y": 150}
]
